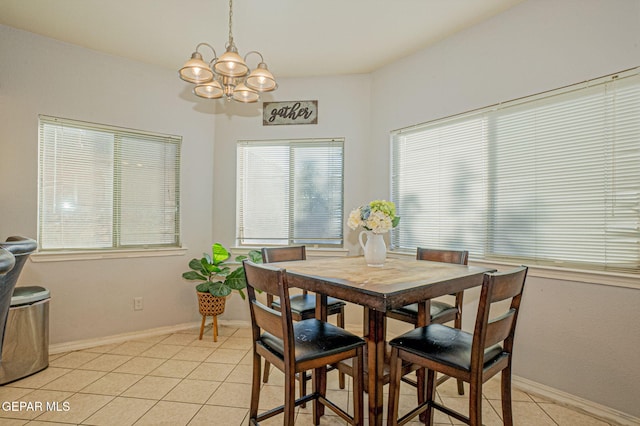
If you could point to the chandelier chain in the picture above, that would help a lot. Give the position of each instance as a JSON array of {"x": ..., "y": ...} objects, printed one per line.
[{"x": 230, "y": 19}]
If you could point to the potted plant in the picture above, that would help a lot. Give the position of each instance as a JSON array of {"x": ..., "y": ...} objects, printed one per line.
[{"x": 218, "y": 278}]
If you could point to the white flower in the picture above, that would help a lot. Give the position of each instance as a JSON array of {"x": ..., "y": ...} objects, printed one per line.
[
  {"x": 355, "y": 218},
  {"x": 378, "y": 216},
  {"x": 378, "y": 222}
]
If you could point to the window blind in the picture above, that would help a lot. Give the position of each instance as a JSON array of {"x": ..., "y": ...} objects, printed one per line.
[
  {"x": 552, "y": 179},
  {"x": 105, "y": 187},
  {"x": 290, "y": 192}
]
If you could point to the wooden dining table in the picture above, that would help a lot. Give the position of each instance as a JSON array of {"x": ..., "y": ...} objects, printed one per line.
[{"x": 399, "y": 282}]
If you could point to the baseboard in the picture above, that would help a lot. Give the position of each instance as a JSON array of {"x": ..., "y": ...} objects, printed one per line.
[
  {"x": 574, "y": 402},
  {"x": 119, "y": 338},
  {"x": 526, "y": 385}
]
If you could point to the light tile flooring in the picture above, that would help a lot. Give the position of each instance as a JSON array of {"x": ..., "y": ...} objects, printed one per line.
[{"x": 179, "y": 380}]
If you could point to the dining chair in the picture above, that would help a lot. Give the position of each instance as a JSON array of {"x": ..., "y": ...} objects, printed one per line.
[
  {"x": 440, "y": 312},
  {"x": 471, "y": 357},
  {"x": 303, "y": 306},
  {"x": 296, "y": 347}
]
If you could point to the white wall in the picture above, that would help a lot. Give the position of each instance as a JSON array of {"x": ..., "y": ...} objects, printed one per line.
[
  {"x": 576, "y": 337},
  {"x": 343, "y": 112},
  {"x": 90, "y": 298},
  {"x": 567, "y": 337}
]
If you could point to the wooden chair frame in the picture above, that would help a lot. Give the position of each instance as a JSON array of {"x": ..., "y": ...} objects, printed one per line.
[
  {"x": 273, "y": 281},
  {"x": 290, "y": 253},
  {"x": 460, "y": 257},
  {"x": 487, "y": 333}
]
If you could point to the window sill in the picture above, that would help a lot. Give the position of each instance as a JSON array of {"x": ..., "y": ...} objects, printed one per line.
[
  {"x": 564, "y": 274},
  {"x": 62, "y": 256},
  {"x": 311, "y": 251}
]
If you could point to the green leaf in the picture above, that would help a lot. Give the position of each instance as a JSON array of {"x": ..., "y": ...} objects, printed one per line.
[
  {"x": 220, "y": 254},
  {"x": 196, "y": 265},
  {"x": 240, "y": 258},
  {"x": 206, "y": 266},
  {"x": 255, "y": 256},
  {"x": 242, "y": 294},
  {"x": 236, "y": 279},
  {"x": 395, "y": 221},
  {"x": 219, "y": 289},
  {"x": 224, "y": 271},
  {"x": 204, "y": 287},
  {"x": 193, "y": 275}
]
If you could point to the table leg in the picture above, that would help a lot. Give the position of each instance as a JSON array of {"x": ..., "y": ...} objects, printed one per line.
[{"x": 375, "y": 364}]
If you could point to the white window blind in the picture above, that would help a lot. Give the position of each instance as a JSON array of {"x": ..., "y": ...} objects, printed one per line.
[
  {"x": 290, "y": 192},
  {"x": 552, "y": 179},
  {"x": 104, "y": 187}
]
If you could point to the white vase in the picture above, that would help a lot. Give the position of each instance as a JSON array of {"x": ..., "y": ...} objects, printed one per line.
[{"x": 375, "y": 250}]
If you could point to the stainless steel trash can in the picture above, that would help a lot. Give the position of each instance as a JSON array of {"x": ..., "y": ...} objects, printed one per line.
[{"x": 26, "y": 339}]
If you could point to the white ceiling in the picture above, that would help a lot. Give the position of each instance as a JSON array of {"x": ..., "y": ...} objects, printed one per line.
[{"x": 298, "y": 38}]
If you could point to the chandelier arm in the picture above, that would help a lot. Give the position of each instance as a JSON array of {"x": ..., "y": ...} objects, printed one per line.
[
  {"x": 215, "y": 54},
  {"x": 256, "y": 52}
]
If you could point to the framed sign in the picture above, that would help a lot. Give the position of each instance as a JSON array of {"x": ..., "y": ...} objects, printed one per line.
[{"x": 290, "y": 112}]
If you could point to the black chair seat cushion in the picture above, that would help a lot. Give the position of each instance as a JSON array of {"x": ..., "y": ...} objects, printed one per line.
[
  {"x": 305, "y": 305},
  {"x": 438, "y": 309},
  {"x": 445, "y": 345},
  {"x": 313, "y": 339}
]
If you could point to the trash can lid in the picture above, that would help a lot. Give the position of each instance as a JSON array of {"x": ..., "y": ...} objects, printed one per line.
[{"x": 29, "y": 294}]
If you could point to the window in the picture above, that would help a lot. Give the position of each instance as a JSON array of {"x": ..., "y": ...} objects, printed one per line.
[
  {"x": 552, "y": 179},
  {"x": 290, "y": 192},
  {"x": 104, "y": 187}
]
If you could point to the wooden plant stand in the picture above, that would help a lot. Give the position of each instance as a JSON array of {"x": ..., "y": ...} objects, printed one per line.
[{"x": 210, "y": 305}]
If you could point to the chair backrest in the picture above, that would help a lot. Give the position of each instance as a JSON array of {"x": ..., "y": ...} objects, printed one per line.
[
  {"x": 273, "y": 282},
  {"x": 283, "y": 254},
  {"x": 447, "y": 256},
  {"x": 497, "y": 287}
]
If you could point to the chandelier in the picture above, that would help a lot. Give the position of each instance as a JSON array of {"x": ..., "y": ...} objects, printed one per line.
[{"x": 229, "y": 74}]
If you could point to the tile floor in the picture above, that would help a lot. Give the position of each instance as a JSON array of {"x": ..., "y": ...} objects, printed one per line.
[{"x": 179, "y": 380}]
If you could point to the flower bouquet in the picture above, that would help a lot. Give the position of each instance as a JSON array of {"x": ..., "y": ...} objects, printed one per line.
[{"x": 377, "y": 217}]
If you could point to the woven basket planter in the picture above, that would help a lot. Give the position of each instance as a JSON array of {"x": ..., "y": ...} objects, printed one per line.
[{"x": 212, "y": 306}]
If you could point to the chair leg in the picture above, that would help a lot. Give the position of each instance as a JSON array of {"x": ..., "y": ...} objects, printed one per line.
[
  {"x": 215, "y": 328},
  {"x": 394, "y": 388},
  {"x": 358, "y": 392},
  {"x": 317, "y": 389},
  {"x": 319, "y": 385},
  {"x": 475, "y": 402},
  {"x": 429, "y": 396},
  {"x": 289, "y": 399},
  {"x": 340, "y": 320},
  {"x": 265, "y": 377},
  {"x": 303, "y": 386},
  {"x": 255, "y": 388},
  {"x": 507, "y": 412},
  {"x": 457, "y": 323},
  {"x": 204, "y": 317}
]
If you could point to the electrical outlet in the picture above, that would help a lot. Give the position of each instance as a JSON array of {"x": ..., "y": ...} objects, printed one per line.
[{"x": 137, "y": 303}]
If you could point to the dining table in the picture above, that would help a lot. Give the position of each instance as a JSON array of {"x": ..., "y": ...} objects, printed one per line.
[{"x": 400, "y": 281}]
